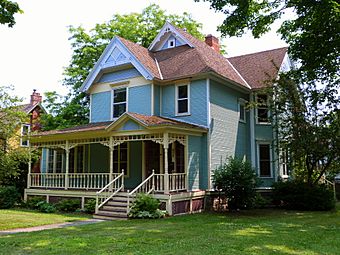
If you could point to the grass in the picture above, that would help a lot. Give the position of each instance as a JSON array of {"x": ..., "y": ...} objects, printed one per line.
[
  {"x": 15, "y": 218},
  {"x": 251, "y": 232}
]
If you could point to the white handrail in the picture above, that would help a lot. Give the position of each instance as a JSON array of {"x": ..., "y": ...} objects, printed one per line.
[
  {"x": 111, "y": 189},
  {"x": 144, "y": 187}
]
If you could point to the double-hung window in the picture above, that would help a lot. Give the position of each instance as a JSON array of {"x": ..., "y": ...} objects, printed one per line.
[
  {"x": 120, "y": 158},
  {"x": 262, "y": 109},
  {"x": 25, "y": 129},
  {"x": 182, "y": 100},
  {"x": 242, "y": 110},
  {"x": 264, "y": 160},
  {"x": 119, "y": 102}
]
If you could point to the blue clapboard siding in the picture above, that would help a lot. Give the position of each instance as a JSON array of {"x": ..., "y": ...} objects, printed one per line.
[
  {"x": 140, "y": 99},
  {"x": 119, "y": 75},
  {"x": 156, "y": 97},
  {"x": 228, "y": 135},
  {"x": 101, "y": 107},
  {"x": 198, "y": 103},
  {"x": 197, "y": 162},
  {"x": 131, "y": 125}
]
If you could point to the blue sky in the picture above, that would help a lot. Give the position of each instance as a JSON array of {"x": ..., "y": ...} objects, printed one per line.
[{"x": 34, "y": 52}]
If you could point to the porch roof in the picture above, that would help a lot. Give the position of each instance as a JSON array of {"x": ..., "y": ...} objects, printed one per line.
[{"x": 149, "y": 122}]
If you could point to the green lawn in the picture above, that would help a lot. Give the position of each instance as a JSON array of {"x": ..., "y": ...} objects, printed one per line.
[
  {"x": 10, "y": 219},
  {"x": 252, "y": 232}
]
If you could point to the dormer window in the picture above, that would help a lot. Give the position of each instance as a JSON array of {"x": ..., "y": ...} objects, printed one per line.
[
  {"x": 172, "y": 43},
  {"x": 119, "y": 102}
]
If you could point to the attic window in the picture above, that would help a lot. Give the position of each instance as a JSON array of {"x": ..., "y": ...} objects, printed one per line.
[
  {"x": 167, "y": 29},
  {"x": 172, "y": 43}
]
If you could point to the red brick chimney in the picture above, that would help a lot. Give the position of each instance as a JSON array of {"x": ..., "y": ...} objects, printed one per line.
[
  {"x": 35, "y": 97},
  {"x": 213, "y": 42}
]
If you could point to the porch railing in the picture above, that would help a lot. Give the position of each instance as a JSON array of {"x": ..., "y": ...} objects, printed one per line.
[
  {"x": 110, "y": 190},
  {"x": 147, "y": 186},
  {"x": 75, "y": 180},
  {"x": 177, "y": 181}
]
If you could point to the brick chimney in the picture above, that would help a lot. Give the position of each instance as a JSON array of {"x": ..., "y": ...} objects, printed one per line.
[
  {"x": 213, "y": 42},
  {"x": 35, "y": 97}
]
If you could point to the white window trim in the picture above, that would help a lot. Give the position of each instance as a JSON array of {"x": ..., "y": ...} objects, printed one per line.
[
  {"x": 268, "y": 112},
  {"x": 270, "y": 160},
  {"x": 242, "y": 102},
  {"x": 176, "y": 99},
  {"x": 127, "y": 100},
  {"x": 21, "y": 134},
  {"x": 172, "y": 41}
]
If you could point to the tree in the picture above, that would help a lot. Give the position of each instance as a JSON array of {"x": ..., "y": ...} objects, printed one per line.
[
  {"x": 7, "y": 11},
  {"x": 87, "y": 47}
]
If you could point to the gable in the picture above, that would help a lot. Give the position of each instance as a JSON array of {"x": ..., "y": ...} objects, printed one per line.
[
  {"x": 130, "y": 125},
  {"x": 168, "y": 34},
  {"x": 115, "y": 55},
  {"x": 119, "y": 75}
]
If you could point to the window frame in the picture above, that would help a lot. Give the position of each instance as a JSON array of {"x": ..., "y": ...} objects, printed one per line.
[
  {"x": 22, "y": 134},
  {"x": 172, "y": 41},
  {"x": 262, "y": 107},
  {"x": 179, "y": 99},
  {"x": 259, "y": 160},
  {"x": 242, "y": 102},
  {"x": 113, "y": 103}
]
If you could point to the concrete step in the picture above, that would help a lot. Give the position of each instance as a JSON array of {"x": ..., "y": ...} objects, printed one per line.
[
  {"x": 112, "y": 213},
  {"x": 117, "y": 203}
]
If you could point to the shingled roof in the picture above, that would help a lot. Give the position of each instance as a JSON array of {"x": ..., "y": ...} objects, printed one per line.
[{"x": 261, "y": 68}]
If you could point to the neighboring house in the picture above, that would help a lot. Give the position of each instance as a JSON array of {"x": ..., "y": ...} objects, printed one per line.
[
  {"x": 32, "y": 111},
  {"x": 168, "y": 116}
]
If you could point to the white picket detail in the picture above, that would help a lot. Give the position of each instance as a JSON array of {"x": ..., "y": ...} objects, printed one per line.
[
  {"x": 177, "y": 181},
  {"x": 47, "y": 180}
]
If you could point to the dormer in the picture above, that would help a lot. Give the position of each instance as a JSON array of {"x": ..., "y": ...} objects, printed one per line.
[{"x": 168, "y": 38}]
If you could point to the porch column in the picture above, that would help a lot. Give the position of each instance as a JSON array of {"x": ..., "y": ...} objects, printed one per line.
[
  {"x": 111, "y": 148},
  {"x": 29, "y": 167},
  {"x": 166, "y": 163},
  {"x": 67, "y": 150}
]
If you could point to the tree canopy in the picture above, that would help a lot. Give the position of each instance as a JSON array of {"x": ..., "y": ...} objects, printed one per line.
[
  {"x": 7, "y": 11},
  {"x": 87, "y": 47}
]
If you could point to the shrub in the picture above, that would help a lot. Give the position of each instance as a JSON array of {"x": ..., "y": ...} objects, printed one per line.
[
  {"x": 32, "y": 203},
  {"x": 9, "y": 196},
  {"x": 45, "y": 207},
  {"x": 237, "y": 179},
  {"x": 260, "y": 202},
  {"x": 145, "y": 206},
  {"x": 68, "y": 205},
  {"x": 297, "y": 195},
  {"x": 90, "y": 206}
]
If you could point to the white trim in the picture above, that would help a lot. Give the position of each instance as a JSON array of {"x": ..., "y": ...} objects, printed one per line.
[
  {"x": 252, "y": 132},
  {"x": 176, "y": 99},
  {"x": 270, "y": 159},
  {"x": 268, "y": 111},
  {"x": 113, "y": 103},
  {"x": 159, "y": 69},
  {"x": 168, "y": 27},
  {"x": 239, "y": 74},
  {"x": 152, "y": 99},
  {"x": 173, "y": 41}
]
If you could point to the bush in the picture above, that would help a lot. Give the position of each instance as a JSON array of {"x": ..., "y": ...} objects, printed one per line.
[
  {"x": 260, "y": 202},
  {"x": 45, "y": 207},
  {"x": 68, "y": 205},
  {"x": 145, "y": 206},
  {"x": 32, "y": 203},
  {"x": 297, "y": 195},
  {"x": 9, "y": 196},
  {"x": 237, "y": 179},
  {"x": 90, "y": 206}
]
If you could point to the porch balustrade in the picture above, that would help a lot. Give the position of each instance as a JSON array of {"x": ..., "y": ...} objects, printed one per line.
[{"x": 73, "y": 180}]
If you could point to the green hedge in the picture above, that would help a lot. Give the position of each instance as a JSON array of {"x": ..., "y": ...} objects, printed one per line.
[
  {"x": 9, "y": 196},
  {"x": 298, "y": 195}
]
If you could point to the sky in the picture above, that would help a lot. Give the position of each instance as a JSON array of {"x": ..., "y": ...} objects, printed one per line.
[{"x": 34, "y": 53}]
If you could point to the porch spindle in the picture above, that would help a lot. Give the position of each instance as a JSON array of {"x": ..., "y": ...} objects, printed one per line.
[
  {"x": 67, "y": 150},
  {"x": 111, "y": 147},
  {"x": 29, "y": 168},
  {"x": 166, "y": 163}
]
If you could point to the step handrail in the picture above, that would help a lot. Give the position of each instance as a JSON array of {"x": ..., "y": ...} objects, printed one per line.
[
  {"x": 110, "y": 191},
  {"x": 141, "y": 185}
]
